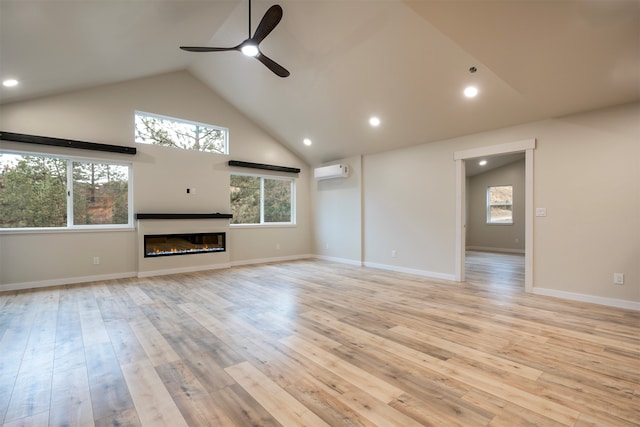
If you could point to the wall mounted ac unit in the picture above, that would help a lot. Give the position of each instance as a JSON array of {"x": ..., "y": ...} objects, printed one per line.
[{"x": 331, "y": 171}]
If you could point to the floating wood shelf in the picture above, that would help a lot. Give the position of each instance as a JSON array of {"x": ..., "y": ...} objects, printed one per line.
[
  {"x": 263, "y": 166},
  {"x": 183, "y": 216},
  {"x": 67, "y": 143}
]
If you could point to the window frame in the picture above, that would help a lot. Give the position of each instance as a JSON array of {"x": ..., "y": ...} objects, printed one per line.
[
  {"x": 179, "y": 120},
  {"x": 70, "y": 226},
  {"x": 489, "y": 205},
  {"x": 262, "y": 224}
]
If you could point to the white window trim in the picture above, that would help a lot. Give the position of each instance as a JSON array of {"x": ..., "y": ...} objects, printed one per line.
[
  {"x": 70, "y": 226},
  {"x": 262, "y": 224},
  {"x": 489, "y": 205},
  {"x": 176, "y": 119}
]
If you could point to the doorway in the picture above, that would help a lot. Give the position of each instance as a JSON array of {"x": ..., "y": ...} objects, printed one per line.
[
  {"x": 461, "y": 157},
  {"x": 495, "y": 269}
]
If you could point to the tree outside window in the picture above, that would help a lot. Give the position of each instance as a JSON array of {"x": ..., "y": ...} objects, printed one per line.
[
  {"x": 41, "y": 191},
  {"x": 33, "y": 191},
  {"x": 261, "y": 200},
  {"x": 178, "y": 133},
  {"x": 245, "y": 199},
  {"x": 500, "y": 204},
  {"x": 100, "y": 193}
]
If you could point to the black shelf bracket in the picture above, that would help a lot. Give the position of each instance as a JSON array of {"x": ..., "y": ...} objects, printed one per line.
[
  {"x": 263, "y": 166},
  {"x": 67, "y": 143}
]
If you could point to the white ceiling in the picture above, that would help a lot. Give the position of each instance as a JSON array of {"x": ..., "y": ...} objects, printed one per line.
[
  {"x": 405, "y": 61},
  {"x": 473, "y": 167}
]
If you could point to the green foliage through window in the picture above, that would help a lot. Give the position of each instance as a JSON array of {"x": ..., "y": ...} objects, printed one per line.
[
  {"x": 100, "y": 193},
  {"x": 262, "y": 200},
  {"x": 177, "y": 133},
  {"x": 33, "y": 191},
  {"x": 41, "y": 191}
]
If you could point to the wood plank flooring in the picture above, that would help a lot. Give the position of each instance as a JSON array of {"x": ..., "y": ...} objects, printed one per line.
[
  {"x": 313, "y": 343},
  {"x": 495, "y": 269}
]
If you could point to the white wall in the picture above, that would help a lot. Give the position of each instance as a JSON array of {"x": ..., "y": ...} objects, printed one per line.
[
  {"x": 501, "y": 237},
  {"x": 161, "y": 176},
  {"x": 409, "y": 202},
  {"x": 586, "y": 173},
  {"x": 337, "y": 205}
]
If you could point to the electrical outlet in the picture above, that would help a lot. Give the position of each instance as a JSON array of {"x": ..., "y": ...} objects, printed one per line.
[
  {"x": 96, "y": 260},
  {"x": 277, "y": 246},
  {"x": 394, "y": 254},
  {"x": 326, "y": 246},
  {"x": 618, "y": 278}
]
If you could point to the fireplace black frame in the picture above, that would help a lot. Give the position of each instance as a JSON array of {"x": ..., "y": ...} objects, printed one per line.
[{"x": 193, "y": 238}]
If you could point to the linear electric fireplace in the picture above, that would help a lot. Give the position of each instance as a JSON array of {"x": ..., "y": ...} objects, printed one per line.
[{"x": 156, "y": 245}]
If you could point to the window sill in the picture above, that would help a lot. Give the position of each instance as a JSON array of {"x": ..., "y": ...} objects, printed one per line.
[{"x": 61, "y": 230}]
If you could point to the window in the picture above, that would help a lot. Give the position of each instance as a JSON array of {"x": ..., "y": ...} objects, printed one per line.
[
  {"x": 38, "y": 191},
  {"x": 177, "y": 133},
  {"x": 500, "y": 204},
  {"x": 262, "y": 200}
]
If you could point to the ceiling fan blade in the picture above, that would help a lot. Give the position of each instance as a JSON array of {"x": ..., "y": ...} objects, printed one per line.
[
  {"x": 207, "y": 49},
  {"x": 269, "y": 21},
  {"x": 272, "y": 65}
]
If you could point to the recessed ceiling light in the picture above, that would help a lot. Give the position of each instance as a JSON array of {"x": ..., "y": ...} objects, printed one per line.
[
  {"x": 374, "y": 121},
  {"x": 10, "y": 83},
  {"x": 470, "y": 91},
  {"x": 482, "y": 162},
  {"x": 306, "y": 142}
]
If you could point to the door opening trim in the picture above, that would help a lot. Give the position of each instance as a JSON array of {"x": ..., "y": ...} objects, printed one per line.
[{"x": 527, "y": 146}]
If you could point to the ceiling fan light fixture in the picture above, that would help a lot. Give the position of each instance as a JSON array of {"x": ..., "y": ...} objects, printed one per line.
[{"x": 250, "y": 49}]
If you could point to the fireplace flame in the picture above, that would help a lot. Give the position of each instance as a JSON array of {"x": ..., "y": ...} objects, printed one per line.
[{"x": 161, "y": 245}]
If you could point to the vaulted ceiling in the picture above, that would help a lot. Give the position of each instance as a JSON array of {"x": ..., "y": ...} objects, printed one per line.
[{"x": 406, "y": 62}]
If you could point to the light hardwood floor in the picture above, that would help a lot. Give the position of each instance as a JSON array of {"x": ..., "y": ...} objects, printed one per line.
[
  {"x": 495, "y": 269},
  {"x": 312, "y": 343}
]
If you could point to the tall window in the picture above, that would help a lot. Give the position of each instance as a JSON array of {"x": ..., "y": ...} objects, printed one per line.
[
  {"x": 262, "y": 200},
  {"x": 39, "y": 191},
  {"x": 178, "y": 133},
  {"x": 500, "y": 204}
]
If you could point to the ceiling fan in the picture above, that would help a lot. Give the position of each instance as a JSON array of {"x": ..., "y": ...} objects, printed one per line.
[{"x": 250, "y": 46}]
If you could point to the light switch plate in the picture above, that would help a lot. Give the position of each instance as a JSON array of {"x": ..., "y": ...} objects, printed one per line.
[{"x": 541, "y": 211}]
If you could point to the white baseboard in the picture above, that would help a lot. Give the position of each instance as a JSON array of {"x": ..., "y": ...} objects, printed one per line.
[
  {"x": 501, "y": 250},
  {"x": 168, "y": 271},
  {"x": 65, "y": 281},
  {"x": 339, "y": 260},
  {"x": 431, "y": 274},
  {"x": 268, "y": 260},
  {"x": 611, "y": 302},
  {"x": 151, "y": 273}
]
